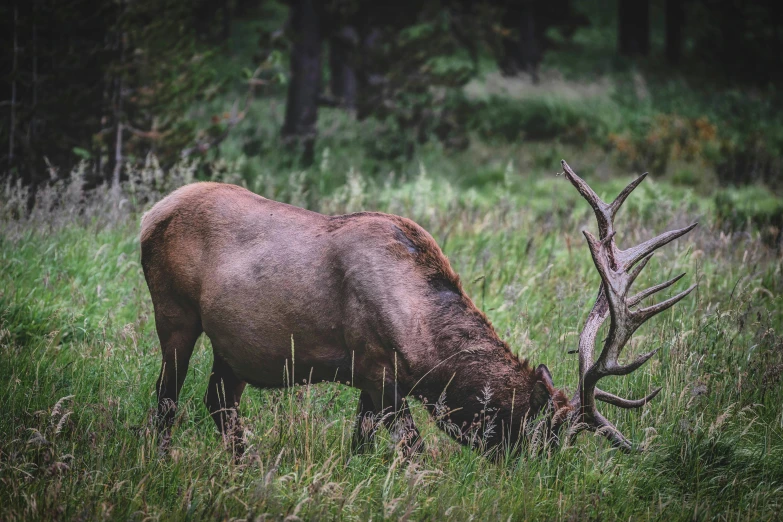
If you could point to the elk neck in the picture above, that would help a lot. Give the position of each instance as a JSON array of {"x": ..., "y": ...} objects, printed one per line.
[{"x": 487, "y": 389}]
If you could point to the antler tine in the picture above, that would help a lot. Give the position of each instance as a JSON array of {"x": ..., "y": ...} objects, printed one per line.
[
  {"x": 584, "y": 189},
  {"x": 650, "y": 311},
  {"x": 627, "y": 258},
  {"x": 624, "y": 321},
  {"x": 616, "y": 369},
  {"x": 620, "y": 199},
  {"x": 633, "y": 301},
  {"x": 614, "y": 400},
  {"x": 603, "y": 212},
  {"x": 638, "y": 268},
  {"x": 608, "y": 430}
]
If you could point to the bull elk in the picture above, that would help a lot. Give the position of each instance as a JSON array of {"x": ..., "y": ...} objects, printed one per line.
[{"x": 368, "y": 299}]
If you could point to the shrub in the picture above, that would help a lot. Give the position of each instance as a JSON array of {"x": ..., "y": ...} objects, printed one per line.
[
  {"x": 751, "y": 207},
  {"x": 536, "y": 119},
  {"x": 653, "y": 143}
]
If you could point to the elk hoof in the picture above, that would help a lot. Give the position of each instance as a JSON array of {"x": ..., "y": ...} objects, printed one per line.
[{"x": 164, "y": 445}]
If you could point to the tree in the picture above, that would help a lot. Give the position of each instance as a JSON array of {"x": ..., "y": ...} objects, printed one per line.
[
  {"x": 104, "y": 81},
  {"x": 343, "y": 45},
  {"x": 633, "y": 27},
  {"x": 206, "y": 15},
  {"x": 523, "y": 32},
  {"x": 413, "y": 66},
  {"x": 522, "y": 46},
  {"x": 158, "y": 73},
  {"x": 301, "y": 111},
  {"x": 51, "y": 85},
  {"x": 675, "y": 21}
]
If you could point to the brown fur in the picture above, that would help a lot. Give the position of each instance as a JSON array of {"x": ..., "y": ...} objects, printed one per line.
[{"x": 366, "y": 297}]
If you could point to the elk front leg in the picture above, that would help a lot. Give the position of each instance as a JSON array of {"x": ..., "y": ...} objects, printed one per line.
[
  {"x": 222, "y": 400},
  {"x": 399, "y": 421},
  {"x": 366, "y": 420}
]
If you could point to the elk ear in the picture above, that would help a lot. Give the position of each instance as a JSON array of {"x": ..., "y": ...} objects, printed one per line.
[{"x": 543, "y": 387}]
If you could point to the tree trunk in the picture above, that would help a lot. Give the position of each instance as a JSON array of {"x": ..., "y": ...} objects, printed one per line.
[
  {"x": 14, "y": 73},
  {"x": 370, "y": 81},
  {"x": 634, "y": 27},
  {"x": 529, "y": 48},
  {"x": 675, "y": 20},
  {"x": 301, "y": 111},
  {"x": 227, "y": 13},
  {"x": 342, "y": 47},
  {"x": 212, "y": 20},
  {"x": 521, "y": 50},
  {"x": 118, "y": 99},
  {"x": 732, "y": 47}
]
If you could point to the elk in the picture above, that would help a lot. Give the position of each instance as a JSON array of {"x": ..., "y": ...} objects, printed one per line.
[{"x": 289, "y": 296}]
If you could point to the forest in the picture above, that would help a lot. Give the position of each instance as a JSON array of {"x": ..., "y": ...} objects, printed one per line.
[{"x": 455, "y": 114}]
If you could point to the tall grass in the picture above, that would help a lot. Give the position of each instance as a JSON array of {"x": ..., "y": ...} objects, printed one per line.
[{"x": 79, "y": 358}]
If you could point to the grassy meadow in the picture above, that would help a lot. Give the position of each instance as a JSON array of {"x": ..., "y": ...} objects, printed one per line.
[{"x": 79, "y": 358}]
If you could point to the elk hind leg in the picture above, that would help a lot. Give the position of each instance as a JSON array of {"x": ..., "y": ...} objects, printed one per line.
[{"x": 178, "y": 330}]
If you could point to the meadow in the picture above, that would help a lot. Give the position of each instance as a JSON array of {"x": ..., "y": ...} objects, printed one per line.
[{"x": 79, "y": 358}]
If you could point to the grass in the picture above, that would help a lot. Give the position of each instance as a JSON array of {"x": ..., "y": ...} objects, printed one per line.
[{"x": 79, "y": 358}]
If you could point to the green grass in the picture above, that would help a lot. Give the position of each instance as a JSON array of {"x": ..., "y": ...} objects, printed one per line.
[{"x": 79, "y": 358}]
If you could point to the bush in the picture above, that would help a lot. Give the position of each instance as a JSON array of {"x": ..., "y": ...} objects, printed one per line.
[
  {"x": 535, "y": 119},
  {"x": 751, "y": 207},
  {"x": 752, "y": 159},
  {"x": 653, "y": 142}
]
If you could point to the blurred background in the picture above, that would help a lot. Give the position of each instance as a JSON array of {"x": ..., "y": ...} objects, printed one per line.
[{"x": 688, "y": 90}]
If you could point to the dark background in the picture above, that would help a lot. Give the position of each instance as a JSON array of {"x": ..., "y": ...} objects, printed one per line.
[{"x": 693, "y": 83}]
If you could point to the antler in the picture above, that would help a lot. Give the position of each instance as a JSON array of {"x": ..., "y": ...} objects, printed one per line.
[{"x": 618, "y": 270}]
